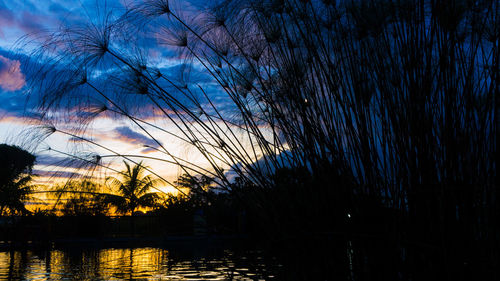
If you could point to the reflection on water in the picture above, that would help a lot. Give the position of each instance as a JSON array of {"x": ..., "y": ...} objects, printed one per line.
[{"x": 130, "y": 264}]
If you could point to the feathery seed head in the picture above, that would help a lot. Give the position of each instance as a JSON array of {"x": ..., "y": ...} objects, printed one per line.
[{"x": 156, "y": 7}]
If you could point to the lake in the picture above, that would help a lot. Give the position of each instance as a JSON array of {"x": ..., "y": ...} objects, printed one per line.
[{"x": 137, "y": 263}]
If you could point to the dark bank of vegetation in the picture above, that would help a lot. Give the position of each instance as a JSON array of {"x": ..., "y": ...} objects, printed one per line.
[
  {"x": 122, "y": 207},
  {"x": 371, "y": 125}
]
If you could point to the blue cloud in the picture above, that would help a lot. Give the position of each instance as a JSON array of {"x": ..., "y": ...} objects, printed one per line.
[
  {"x": 127, "y": 135},
  {"x": 64, "y": 162},
  {"x": 57, "y": 174}
]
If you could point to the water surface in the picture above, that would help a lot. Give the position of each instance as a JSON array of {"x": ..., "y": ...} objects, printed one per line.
[{"x": 143, "y": 263}]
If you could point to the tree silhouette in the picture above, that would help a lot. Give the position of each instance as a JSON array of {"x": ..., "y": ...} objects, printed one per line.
[
  {"x": 15, "y": 177},
  {"x": 82, "y": 198},
  {"x": 199, "y": 188},
  {"x": 133, "y": 187}
]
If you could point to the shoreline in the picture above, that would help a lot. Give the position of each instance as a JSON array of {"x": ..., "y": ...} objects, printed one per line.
[{"x": 128, "y": 242}]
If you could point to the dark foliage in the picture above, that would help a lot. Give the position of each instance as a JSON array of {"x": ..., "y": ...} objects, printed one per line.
[{"x": 15, "y": 175}]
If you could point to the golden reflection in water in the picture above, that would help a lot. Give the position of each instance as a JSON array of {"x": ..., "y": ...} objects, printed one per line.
[{"x": 123, "y": 264}]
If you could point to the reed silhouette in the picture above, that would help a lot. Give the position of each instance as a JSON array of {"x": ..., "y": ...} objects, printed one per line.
[{"x": 354, "y": 119}]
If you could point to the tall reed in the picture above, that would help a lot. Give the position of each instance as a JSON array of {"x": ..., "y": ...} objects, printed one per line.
[{"x": 323, "y": 111}]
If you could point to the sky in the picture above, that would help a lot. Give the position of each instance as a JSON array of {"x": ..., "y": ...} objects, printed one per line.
[{"x": 22, "y": 20}]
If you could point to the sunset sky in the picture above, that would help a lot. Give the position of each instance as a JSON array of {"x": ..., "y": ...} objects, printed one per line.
[{"x": 21, "y": 20}]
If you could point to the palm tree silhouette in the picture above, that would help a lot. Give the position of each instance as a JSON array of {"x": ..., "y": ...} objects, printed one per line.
[{"x": 133, "y": 187}]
